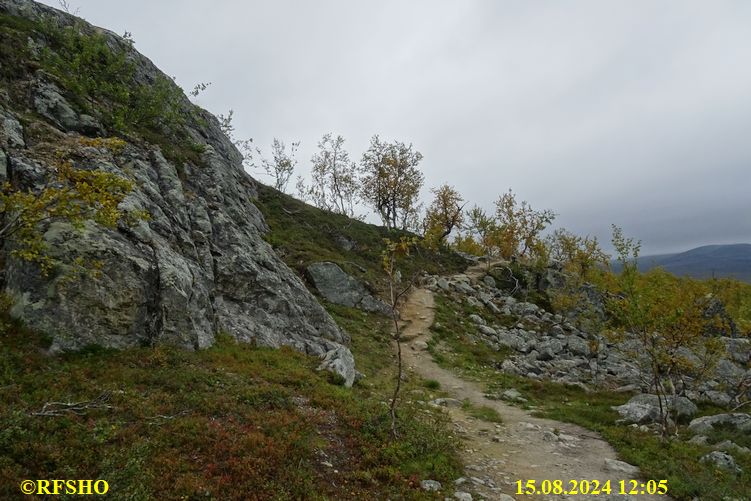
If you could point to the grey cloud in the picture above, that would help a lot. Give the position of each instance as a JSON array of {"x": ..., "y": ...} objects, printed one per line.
[{"x": 629, "y": 112}]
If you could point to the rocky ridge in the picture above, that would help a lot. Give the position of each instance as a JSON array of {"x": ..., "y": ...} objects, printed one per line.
[
  {"x": 197, "y": 267},
  {"x": 543, "y": 345}
]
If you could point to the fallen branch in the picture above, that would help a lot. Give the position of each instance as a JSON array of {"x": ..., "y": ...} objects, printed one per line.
[
  {"x": 511, "y": 275},
  {"x": 740, "y": 405},
  {"x": 161, "y": 417},
  {"x": 52, "y": 409},
  {"x": 362, "y": 270}
]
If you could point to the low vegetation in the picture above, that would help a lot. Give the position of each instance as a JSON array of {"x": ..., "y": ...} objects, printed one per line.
[
  {"x": 455, "y": 346},
  {"x": 231, "y": 422},
  {"x": 302, "y": 234},
  {"x": 98, "y": 76}
]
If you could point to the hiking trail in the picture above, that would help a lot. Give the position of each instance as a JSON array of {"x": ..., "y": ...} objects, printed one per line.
[{"x": 522, "y": 447}]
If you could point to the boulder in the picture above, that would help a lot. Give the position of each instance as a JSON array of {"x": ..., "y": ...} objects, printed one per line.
[
  {"x": 446, "y": 402},
  {"x": 489, "y": 281},
  {"x": 508, "y": 339},
  {"x": 340, "y": 361},
  {"x": 551, "y": 278},
  {"x": 549, "y": 349},
  {"x": 722, "y": 461},
  {"x": 730, "y": 446},
  {"x": 620, "y": 467},
  {"x": 419, "y": 345},
  {"x": 488, "y": 331},
  {"x": 340, "y": 288},
  {"x": 728, "y": 373},
  {"x": 476, "y": 319},
  {"x": 718, "y": 398},
  {"x": 577, "y": 345},
  {"x": 638, "y": 413},
  {"x": 738, "y": 349},
  {"x": 705, "y": 424},
  {"x": 430, "y": 485},
  {"x": 513, "y": 395},
  {"x": 645, "y": 408}
]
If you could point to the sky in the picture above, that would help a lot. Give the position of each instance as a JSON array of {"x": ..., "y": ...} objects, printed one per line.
[{"x": 630, "y": 112}]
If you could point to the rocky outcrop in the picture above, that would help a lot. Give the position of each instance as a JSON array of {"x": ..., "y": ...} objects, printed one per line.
[
  {"x": 540, "y": 345},
  {"x": 197, "y": 267},
  {"x": 543, "y": 345},
  {"x": 340, "y": 288}
]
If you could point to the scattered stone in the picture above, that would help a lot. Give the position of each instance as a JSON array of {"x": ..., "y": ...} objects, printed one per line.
[
  {"x": 549, "y": 436},
  {"x": 513, "y": 395},
  {"x": 430, "y": 485},
  {"x": 462, "y": 496},
  {"x": 721, "y": 460},
  {"x": 344, "y": 243},
  {"x": 637, "y": 413},
  {"x": 730, "y": 446},
  {"x": 442, "y": 283},
  {"x": 505, "y": 497},
  {"x": 488, "y": 331},
  {"x": 477, "y": 319},
  {"x": 577, "y": 345},
  {"x": 718, "y": 398},
  {"x": 549, "y": 349},
  {"x": 615, "y": 466},
  {"x": 419, "y": 345},
  {"x": 699, "y": 440},
  {"x": 446, "y": 402},
  {"x": 489, "y": 281},
  {"x": 705, "y": 424},
  {"x": 739, "y": 349},
  {"x": 580, "y": 385}
]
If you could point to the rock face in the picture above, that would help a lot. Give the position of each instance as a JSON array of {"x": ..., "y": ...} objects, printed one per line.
[
  {"x": 199, "y": 266},
  {"x": 339, "y": 288}
]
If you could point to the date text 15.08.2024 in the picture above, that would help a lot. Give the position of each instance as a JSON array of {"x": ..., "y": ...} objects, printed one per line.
[{"x": 593, "y": 487}]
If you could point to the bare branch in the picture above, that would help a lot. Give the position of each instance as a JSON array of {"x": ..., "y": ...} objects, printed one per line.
[{"x": 52, "y": 409}]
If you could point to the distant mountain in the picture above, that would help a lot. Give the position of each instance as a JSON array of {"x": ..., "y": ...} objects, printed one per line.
[{"x": 705, "y": 262}]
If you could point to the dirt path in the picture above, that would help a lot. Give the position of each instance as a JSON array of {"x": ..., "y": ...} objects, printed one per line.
[{"x": 523, "y": 447}]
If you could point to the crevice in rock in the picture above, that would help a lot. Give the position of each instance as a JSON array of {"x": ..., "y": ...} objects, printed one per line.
[{"x": 154, "y": 312}]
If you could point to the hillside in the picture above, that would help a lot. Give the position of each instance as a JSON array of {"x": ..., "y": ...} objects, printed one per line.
[
  {"x": 175, "y": 328},
  {"x": 167, "y": 348},
  {"x": 719, "y": 261}
]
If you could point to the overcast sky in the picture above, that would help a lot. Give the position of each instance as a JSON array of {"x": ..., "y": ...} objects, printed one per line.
[{"x": 630, "y": 112}]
